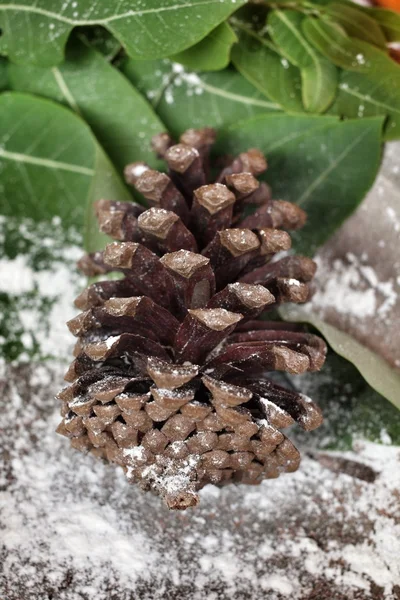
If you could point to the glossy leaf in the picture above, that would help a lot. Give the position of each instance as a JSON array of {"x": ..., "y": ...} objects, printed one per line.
[
  {"x": 357, "y": 23},
  {"x": 274, "y": 76},
  {"x": 51, "y": 163},
  {"x": 344, "y": 51},
  {"x": 37, "y": 32},
  {"x": 318, "y": 76},
  {"x": 374, "y": 369},
  {"x": 122, "y": 120},
  {"x": 284, "y": 26},
  {"x": 324, "y": 165},
  {"x": 212, "y": 53},
  {"x": 365, "y": 95},
  {"x": 184, "y": 99}
]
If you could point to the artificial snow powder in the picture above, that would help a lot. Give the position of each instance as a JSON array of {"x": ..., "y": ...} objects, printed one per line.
[
  {"x": 353, "y": 289},
  {"x": 72, "y": 528}
]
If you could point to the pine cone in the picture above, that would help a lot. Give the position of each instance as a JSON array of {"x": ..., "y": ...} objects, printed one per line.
[{"x": 169, "y": 379}]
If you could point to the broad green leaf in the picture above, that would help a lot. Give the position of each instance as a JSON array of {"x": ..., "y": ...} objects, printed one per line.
[
  {"x": 50, "y": 162},
  {"x": 351, "y": 408},
  {"x": 37, "y": 32},
  {"x": 274, "y": 76},
  {"x": 184, "y": 99},
  {"x": 357, "y": 23},
  {"x": 389, "y": 22},
  {"x": 323, "y": 165},
  {"x": 365, "y": 95},
  {"x": 212, "y": 53},
  {"x": 346, "y": 52},
  {"x": 122, "y": 120},
  {"x": 374, "y": 369},
  {"x": 318, "y": 76}
]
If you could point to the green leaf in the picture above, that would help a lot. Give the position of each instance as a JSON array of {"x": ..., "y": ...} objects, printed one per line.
[
  {"x": 370, "y": 94},
  {"x": 274, "y": 76},
  {"x": 389, "y": 22},
  {"x": 51, "y": 164},
  {"x": 357, "y": 23},
  {"x": 348, "y": 53},
  {"x": 319, "y": 85},
  {"x": 284, "y": 26},
  {"x": 122, "y": 120},
  {"x": 37, "y": 32},
  {"x": 351, "y": 408},
  {"x": 318, "y": 76},
  {"x": 366, "y": 89},
  {"x": 212, "y": 53},
  {"x": 374, "y": 369},
  {"x": 183, "y": 99},
  {"x": 324, "y": 165}
]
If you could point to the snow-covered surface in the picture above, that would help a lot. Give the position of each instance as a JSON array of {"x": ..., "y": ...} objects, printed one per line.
[
  {"x": 38, "y": 284},
  {"x": 73, "y": 528}
]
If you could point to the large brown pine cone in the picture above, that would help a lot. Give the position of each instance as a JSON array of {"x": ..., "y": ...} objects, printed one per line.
[{"x": 169, "y": 379}]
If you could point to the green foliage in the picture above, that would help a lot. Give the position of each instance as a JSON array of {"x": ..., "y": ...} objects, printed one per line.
[
  {"x": 366, "y": 95},
  {"x": 183, "y": 99},
  {"x": 370, "y": 81},
  {"x": 312, "y": 162},
  {"x": 343, "y": 51},
  {"x": 294, "y": 53},
  {"x": 119, "y": 116},
  {"x": 262, "y": 66},
  {"x": 319, "y": 76},
  {"x": 51, "y": 163},
  {"x": 284, "y": 26},
  {"x": 357, "y": 24},
  {"x": 212, "y": 53},
  {"x": 152, "y": 30}
]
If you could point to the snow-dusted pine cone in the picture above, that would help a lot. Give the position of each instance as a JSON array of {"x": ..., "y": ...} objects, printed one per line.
[{"x": 170, "y": 375}]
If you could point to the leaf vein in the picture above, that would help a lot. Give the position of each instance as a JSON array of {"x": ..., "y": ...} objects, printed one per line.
[
  {"x": 318, "y": 180},
  {"x": 45, "y": 162},
  {"x": 66, "y": 92},
  {"x": 369, "y": 99},
  {"x": 130, "y": 13}
]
